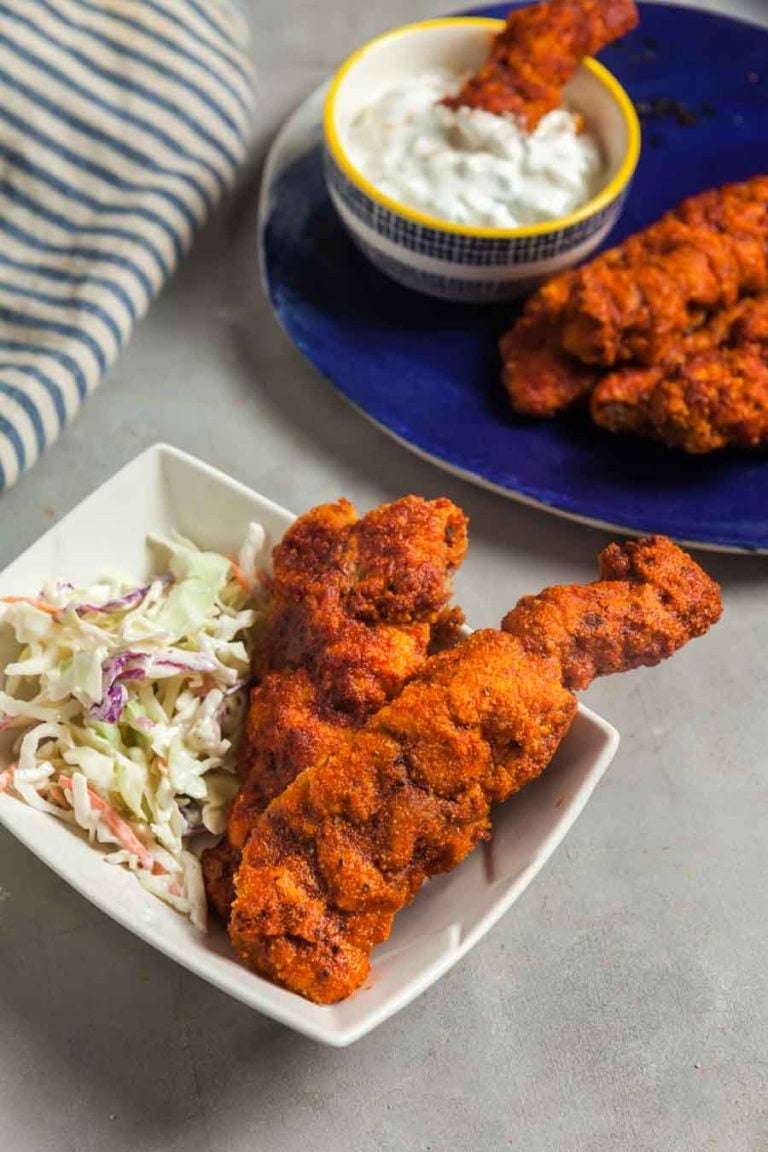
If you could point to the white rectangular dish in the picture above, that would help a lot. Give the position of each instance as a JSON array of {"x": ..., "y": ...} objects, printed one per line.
[{"x": 164, "y": 489}]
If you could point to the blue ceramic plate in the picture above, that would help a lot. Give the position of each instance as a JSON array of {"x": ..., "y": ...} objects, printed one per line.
[{"x": 428, "y": 372}]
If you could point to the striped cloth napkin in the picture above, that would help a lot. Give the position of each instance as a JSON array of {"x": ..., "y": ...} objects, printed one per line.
[{"x": 122, "y": 122}]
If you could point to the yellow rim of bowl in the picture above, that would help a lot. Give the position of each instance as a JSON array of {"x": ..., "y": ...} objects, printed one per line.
[{"x": 602, "y": 200}]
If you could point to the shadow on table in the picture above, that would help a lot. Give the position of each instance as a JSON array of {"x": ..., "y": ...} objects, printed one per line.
[{"x": 121, "y": 1037}]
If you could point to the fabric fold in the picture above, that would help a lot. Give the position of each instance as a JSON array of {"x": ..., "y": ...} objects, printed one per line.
[{"x": 122, "y": 124}]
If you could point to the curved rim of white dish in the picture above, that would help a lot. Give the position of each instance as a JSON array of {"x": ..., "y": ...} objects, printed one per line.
[{"x": 113, "y": 891}]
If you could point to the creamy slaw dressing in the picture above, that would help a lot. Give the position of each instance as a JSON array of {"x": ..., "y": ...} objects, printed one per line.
[
  {"x": 467, "y": 166},
  {"x": 127, "y": 697}
]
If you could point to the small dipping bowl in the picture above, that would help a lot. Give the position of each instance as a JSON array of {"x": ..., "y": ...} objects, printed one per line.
[{"x": 458, "y": 261}]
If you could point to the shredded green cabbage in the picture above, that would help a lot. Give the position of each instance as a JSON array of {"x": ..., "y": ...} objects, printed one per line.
[{"x": 127, "y": 698}]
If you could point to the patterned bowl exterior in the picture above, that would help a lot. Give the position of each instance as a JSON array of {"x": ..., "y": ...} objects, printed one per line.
[{"x": 454, "y": 266}]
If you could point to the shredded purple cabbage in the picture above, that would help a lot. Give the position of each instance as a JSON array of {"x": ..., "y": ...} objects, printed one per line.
[
  {"x": 127, "y": 666},
  {"x": 110, "y": 707},
  {"x": 132, "y": 665},
  {"x": 238, "y": 687},
  {"x": 186, "y": 662},
  {"x": 126, "y": 601}
]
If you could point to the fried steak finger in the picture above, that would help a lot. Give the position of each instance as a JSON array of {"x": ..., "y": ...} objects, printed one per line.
[
  {"x": 666, "y": 328},
  {"x": 619, "y": 402},
  {"x": 407, "y": 796},
  {"x": 715, "y": 401},
  {"x": 711, "y": 396},
  {"x": 540, "y": 379},
  {"x": 537, "y": 53},
  {"x": 355, "y": 605},
  {"x": 700, "y": 257}
]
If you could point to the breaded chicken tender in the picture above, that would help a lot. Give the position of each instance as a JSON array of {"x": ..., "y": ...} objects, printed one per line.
[
  {"x": 336, "y": 855},
  {"x": 537, "y": 53},
  {"x": 635, "y": 302},
  {"x": 539, "y": 377},
  {"x": 667, "y": 334},
  {"x": 714, "y": 394},
  {"x": 714, "y": 401},
  {"x": 355, "y": 605},
  {"x": 354, "y": 600}
]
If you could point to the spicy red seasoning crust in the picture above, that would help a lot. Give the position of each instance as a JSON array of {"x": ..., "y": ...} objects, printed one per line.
[
  {"x": 408, "y": 795},
  {"x": 355, "y": 604},
  {"x": 538, "y": 52},
  {"x": 666, "y": 333}
]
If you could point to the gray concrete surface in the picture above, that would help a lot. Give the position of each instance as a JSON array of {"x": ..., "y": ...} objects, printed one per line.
[{"x": 621, "y": 1005}]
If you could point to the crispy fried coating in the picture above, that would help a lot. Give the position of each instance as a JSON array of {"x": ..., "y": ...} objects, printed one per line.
[
  {"x": 353, "y": 600},
  {"x": 619, "y": 402},
  {"x": 678, "y": 313},
  {"x": 352, "y": 840},
  {"x": 650, "y": 600},
  {"x": 290, "y": 726},
  {"x": 635, "y": 302},
  {"x": 355, "y": 606},
  {"x": 713, "y": 395},
  {"x": 746, "y": 324},
  {"x": 738, "y": 211},
  {"x": 220, "y": 865},
  {"x": 639, "y": 313},
  {"x": 539, "y": 377},
  {"x": 714, "y": 401},
  {"x": 537, "y": 53}
]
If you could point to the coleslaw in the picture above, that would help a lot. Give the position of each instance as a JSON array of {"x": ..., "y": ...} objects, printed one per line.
[{"x": 127, "y": 697}]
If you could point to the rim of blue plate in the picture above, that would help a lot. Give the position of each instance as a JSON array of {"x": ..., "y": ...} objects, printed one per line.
[{"x": 687, "y": 513}]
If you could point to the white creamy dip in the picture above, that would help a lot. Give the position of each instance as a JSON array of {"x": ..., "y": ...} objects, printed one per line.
[{"x": 470, "y": 167}]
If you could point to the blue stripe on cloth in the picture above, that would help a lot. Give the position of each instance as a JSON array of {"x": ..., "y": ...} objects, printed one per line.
[
  {"x": 150, "y": 94},
  {"x": 36, "y": 323},
  {"x": 16, "y": 196},
  {"x": 30, "y": 408},
  {"x": 24, "y": 164},
  {"x": 90, "y": 130},
  {"x": 11, "y": 434},
  {"x": 50, "y": 385},
  {"x": 62, "y": 276},
  {"x": 171, "y": 45},
  {"x": 79, "y": 253},
  {"x": 61, "y": 358},
  {"x": 132, "y": 53},
  {"x": 91, "y": 166},
  {"x": 76, "y": 305},
  {"x": 140, "y": 122},
  {"x": 121, "y": 125},
  {"x": 229, "y": 59}
]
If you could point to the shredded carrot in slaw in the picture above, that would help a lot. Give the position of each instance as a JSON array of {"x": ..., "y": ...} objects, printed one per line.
[
  {"x": 14, "y": 722},
  {"x": 33, "y": 602},
  {"x": 239, "y": 575},
  {"x": 119, "y": 657},
  {"x": 118, "y": 827}
]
